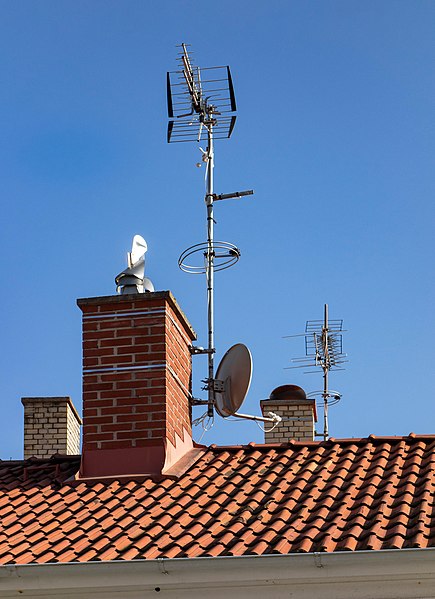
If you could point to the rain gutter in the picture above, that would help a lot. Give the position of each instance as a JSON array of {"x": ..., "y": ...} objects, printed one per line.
[{"x": 387, "y": 574}]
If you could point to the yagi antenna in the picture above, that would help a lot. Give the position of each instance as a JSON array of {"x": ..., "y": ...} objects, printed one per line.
[
  {"x": 195, "y": 97},
  {"x": 201, "y": 106},
  {"x": 323, "y": 349}
]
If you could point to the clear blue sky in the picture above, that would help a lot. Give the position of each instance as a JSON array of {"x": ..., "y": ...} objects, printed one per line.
[{"x": 336, "y": 135}]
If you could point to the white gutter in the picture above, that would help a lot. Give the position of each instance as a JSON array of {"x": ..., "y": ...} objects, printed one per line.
[{"x": 389, "y": 574}]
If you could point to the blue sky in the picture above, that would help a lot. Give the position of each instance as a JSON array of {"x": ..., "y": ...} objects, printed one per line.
[{"x": 335, "y": 134}]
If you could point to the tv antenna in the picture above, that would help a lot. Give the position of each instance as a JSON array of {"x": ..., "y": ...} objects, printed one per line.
[
  {"x": 201, "y": 106},
  {"x": 323, "y": 349}
]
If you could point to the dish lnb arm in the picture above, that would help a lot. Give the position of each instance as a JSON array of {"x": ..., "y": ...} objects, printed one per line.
[{"x": 273, "y": 418}]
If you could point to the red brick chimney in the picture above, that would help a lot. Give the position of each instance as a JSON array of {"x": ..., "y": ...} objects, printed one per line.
[{"x": 136, "y": 384}]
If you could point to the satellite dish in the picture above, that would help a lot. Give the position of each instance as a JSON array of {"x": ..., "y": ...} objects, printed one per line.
[{"x": 233, "y": 378}]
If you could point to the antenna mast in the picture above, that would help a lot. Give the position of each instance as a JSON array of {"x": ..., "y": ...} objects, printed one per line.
[
  {"x": 324, "y": 349},
  {"x": 199, "y": 102},
  {"x": 210, "y": 258},
  {"x": 325, "y": 362}
]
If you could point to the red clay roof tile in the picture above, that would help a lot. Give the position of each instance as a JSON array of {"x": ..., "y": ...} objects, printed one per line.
[{"x": 338, "y": 495}]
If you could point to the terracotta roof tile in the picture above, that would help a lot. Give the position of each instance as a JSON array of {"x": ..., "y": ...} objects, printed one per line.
[{"x": 338, "y": 495}]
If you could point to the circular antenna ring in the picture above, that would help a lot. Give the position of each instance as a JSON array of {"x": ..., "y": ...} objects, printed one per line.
[
  {"x": 225, "y": 254},
  {"x": 333, "y": 396}
]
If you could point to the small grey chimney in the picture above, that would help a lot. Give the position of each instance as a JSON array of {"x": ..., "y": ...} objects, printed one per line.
[
  {"x": 51, "y": 425},
  {"x": 298, "y": 415}
]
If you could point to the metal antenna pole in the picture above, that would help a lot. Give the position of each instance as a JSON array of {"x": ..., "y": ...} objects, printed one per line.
[
  {"x": 210, "y": 267},
  {"x": 326, "y": 367},
  {"x": 199, "y": 101}
]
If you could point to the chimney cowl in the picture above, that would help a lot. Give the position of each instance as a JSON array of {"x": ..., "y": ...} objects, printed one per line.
[
  {"x": 284, "y": 392},
  {"x": 133, "y": 279}
]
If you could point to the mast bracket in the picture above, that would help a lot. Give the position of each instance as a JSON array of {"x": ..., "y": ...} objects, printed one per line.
[
  {"x": 235, "y": 195},
  {"x": 218, "y": 386},
  {"x": 198, "y": 402},
  {"x": 196, "y": 351}
]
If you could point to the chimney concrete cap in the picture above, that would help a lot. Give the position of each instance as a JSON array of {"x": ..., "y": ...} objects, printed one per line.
[{"x": 29, "y": 401}]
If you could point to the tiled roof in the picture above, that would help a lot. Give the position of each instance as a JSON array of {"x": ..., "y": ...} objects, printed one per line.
[{"x": 338, "y": 495}]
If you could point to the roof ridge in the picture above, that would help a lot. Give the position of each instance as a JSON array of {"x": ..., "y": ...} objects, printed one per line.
[{"x": 370, "y": 438}]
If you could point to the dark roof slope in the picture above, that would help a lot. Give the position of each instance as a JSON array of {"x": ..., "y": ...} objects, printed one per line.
[{"x": 347, "y": 494}]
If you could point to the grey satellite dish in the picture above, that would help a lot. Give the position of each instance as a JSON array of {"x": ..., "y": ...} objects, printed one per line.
[
  {"x": 133, "y": 279},
  {"x": 232, "y": 380}
]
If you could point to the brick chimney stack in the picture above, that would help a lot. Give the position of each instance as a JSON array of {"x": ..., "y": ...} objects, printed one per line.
[
  {"x": 136, "y": 384},
  {"x": 51, "y": 425},
  {"x": 297, "y": 412}
]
